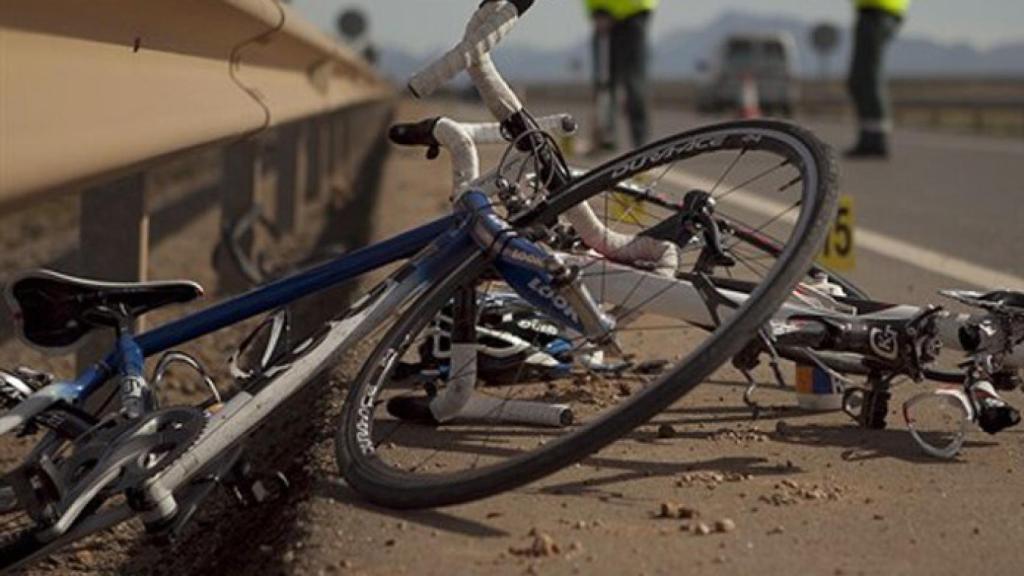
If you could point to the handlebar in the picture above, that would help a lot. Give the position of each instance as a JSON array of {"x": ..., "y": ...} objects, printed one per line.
[
  {"x": 488, "y": 25},
  {"x": 491, "y": 22},
  {"x": 461, "y": 139},
  {"x": 424, "y": 133}
]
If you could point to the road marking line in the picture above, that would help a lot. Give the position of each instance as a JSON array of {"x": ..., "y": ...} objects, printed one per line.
[{"x": 877, "y": 242}]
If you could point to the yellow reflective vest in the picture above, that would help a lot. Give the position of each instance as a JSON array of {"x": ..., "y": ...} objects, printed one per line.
[
  {"x": 621, "y": 9},
  {"x": 898, "y": 7}
]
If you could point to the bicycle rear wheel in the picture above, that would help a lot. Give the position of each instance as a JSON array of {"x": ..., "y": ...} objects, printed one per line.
[{"x": 772, "y": 175}]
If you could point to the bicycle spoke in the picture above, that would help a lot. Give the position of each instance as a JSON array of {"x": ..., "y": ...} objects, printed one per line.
[
  {"x": 757, "y": 177},
  {"x": 728, "y": 171}
]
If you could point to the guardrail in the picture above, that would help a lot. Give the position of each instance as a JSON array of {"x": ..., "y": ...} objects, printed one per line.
[
  {"x": 87, "y": 88},
  {"x": 93, "y": 95}
]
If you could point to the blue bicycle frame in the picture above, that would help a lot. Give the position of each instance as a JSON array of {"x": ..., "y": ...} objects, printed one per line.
[
  {"x": 474, "y": 228},
  {"x": 448, "y": 236}
]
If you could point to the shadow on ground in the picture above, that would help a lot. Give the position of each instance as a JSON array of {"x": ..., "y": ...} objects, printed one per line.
[{"x": 337, "y": 491}]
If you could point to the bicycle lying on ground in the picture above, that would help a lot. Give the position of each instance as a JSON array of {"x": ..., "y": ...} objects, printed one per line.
[{"x": 90, "y": 470}]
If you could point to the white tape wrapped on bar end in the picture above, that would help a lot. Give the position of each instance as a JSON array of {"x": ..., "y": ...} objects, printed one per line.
[
  {"x": 486, "y": 408},
  {"x": 486, "y": 28},
  {"x": 461, "y": 382},
  {"x": 491, "y": 133},
  {"x": 459, "y": 142}
]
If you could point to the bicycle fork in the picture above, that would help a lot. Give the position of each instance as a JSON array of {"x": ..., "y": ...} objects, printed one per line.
[
  {"x": 543, "y": 280},
  {"x": 538, "y": 276}
]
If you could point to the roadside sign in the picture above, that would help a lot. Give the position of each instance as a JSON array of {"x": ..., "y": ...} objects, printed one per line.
[
  {"x": 352, "y": 24},
  {"x": 825, "y": 38},
  {"x": 839, "y": 253}
]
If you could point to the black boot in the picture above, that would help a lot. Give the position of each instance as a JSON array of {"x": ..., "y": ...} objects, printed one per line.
[
  {"x": 1006, "y": 381},
  {"x": 994, "y": 419},
  {"x": 870, "y": 145},
  {"x": 994, "y": 414}
]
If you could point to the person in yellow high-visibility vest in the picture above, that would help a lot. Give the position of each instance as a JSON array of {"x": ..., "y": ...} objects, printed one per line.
[
  {"x": 878, "y": 21},
  {"x": 620, "y": 60}
]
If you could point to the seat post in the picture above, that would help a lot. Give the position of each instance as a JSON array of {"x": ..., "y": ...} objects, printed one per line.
[
  {"x": 117, "y": 318},
  {"x": 135, "y": 394}
]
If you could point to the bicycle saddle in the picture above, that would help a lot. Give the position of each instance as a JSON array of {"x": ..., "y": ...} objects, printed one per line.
[{"x": 54, "y": 311}]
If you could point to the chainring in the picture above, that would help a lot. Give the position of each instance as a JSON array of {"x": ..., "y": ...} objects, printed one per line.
[
  {"x": 161, "y": 437},
  {"x": 170, "y": 433}
]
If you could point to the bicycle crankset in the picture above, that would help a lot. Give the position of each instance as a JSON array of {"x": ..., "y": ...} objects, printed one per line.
[
  {"x": 115, "y": 456},
  {"x": 153, "y": 443}
]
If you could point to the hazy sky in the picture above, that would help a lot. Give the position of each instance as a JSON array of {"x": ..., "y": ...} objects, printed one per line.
[{"x": 422, "y": 25}]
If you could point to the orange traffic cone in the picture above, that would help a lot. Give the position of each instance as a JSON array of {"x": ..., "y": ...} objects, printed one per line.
[{"x": 750, "y": 98}]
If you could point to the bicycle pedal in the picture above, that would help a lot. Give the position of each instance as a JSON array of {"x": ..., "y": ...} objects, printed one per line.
[
  {"x": 250, "y": 488},
  {"x": 271, "y": 487}
]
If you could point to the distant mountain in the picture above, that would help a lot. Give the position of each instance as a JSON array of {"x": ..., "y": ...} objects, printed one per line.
[
  {"x": 517, "y": 62},
  {"x": 676, "y": 54}
]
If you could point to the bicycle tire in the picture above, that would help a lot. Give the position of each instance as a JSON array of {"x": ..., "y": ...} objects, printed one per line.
[{"x": 398, "y": 487}]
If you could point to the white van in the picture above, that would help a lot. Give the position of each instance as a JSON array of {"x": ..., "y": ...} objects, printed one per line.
[{"x": 767, "y": 58}]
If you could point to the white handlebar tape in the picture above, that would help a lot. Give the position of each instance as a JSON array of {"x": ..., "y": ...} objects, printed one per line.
[
  {"x": 450, "y": 402},
  {"x": 657, "y": 254},
  {"x": 485, "y": 408},
  {"x": 459, "y": 143},
  {"x": 495, "y": 92},
  {"x": 461, "y": 139},
  {"x": 486, "y": 28},
  {"x": 490, "y": 133}
]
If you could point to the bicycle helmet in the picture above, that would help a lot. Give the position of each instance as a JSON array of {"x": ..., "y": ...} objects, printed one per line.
[{"x": 515, "y": 343}]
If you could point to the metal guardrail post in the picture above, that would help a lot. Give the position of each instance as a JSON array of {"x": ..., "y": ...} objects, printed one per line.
[
  {"x": 238, "y": 195},
  {"x": 351, "y": 128},
  {"x": 288, "y": 201},
  {"x": 332, "y": 143},
  {"x": 316, "y": 167},
  {"x": 349, "y": 151},
  {"x": 114, "y": 240}
]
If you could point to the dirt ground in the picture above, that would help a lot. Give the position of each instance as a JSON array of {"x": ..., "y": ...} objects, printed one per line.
[
  {"x": 795, "y": 492},
  {"x": 790, "y": 493}
]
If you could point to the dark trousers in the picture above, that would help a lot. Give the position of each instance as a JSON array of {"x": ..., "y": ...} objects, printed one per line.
[
  {"x": 875, "y": 31},
  {"x": 625, "y": 57}
]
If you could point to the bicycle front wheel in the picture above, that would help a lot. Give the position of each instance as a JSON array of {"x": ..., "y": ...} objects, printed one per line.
[{"x": 683, "y": 303}]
